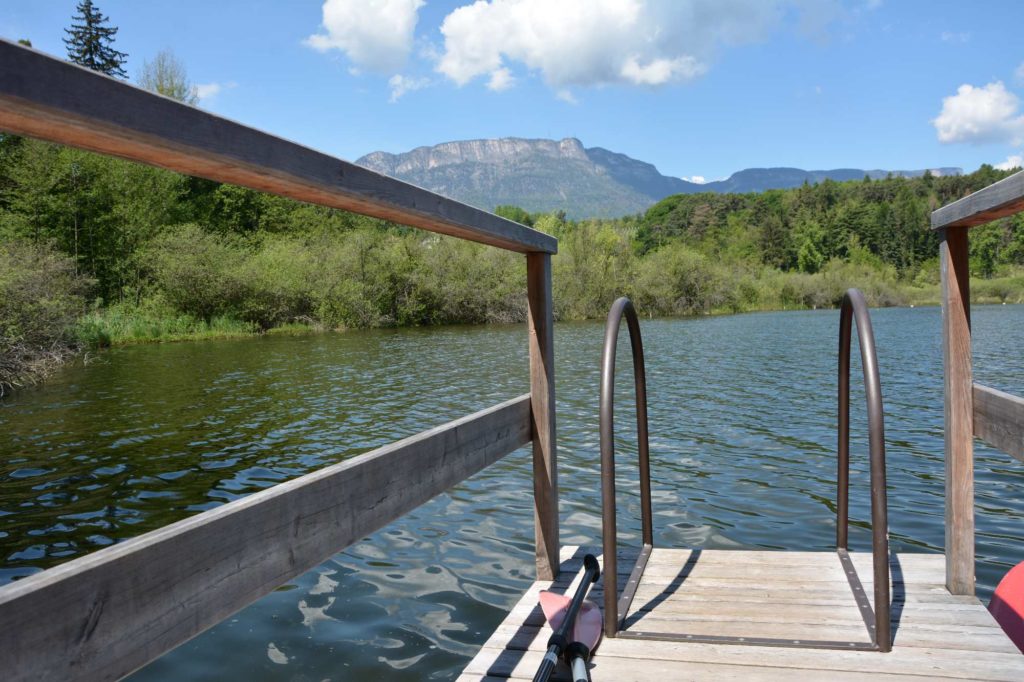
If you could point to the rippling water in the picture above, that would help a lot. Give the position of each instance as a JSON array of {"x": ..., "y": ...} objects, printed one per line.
[{"x": 742, "y": 440}]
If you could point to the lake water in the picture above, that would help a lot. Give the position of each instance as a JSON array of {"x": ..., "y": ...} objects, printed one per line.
[{"x": 742, "y": 412}]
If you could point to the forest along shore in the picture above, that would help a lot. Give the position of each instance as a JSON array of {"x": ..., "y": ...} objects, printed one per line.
[{"x": 96, "y": 251}]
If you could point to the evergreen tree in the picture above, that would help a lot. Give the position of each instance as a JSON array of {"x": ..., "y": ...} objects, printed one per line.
[{"x": 90, "y": 42}]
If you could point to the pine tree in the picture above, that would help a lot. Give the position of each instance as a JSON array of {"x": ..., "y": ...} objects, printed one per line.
[{"x": 89, "y": 41}]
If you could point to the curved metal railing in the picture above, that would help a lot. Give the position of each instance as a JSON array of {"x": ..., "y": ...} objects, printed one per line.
[
  {"x": 612, "y": 607},
  {"x": 854, "y": 307}
]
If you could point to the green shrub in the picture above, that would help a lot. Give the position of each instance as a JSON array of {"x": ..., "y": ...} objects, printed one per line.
[
  {"x": 153, "y": 319},
  {"x": 41, "y": 297},
  {"x": 196, "y": 271}
]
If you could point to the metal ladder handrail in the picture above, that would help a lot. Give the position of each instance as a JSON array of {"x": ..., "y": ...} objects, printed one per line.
[
  {"x": 612, "y": 608},
  {"x": 855, "y": 307}
]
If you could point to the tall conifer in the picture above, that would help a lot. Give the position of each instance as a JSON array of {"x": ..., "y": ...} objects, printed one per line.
[{"x": 89, "y": 41}]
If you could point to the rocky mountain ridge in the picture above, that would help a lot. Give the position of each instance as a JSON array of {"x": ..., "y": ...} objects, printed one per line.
[{"x": 549, "y": 175}]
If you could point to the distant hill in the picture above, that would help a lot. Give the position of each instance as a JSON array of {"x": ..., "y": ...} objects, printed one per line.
[
  {"x": 761, "y": 179},
  {"x": 549, "y": 175}
]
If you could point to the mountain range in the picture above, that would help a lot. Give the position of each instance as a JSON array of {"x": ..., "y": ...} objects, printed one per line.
[{"x": 551, "y": 175}]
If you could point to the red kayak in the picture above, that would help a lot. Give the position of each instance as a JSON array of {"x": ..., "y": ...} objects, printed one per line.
[{"x": 1007, "y": 605}]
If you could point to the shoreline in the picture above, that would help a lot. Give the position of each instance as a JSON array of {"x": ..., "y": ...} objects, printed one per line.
[{"x": 94, "y": 332}]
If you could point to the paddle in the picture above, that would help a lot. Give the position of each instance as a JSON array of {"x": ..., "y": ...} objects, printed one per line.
[
  {"x": 566, "y": 618},
  {"x": 586, "y": 634}
]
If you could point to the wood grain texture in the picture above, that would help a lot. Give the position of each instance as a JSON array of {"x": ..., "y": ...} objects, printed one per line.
[
  {"x": 998, "y": 200},
  {"x": 542, "y": 393},
  {"x": 953, "y": 638},
  {"x": 50, "y": 99},
  {"x": 999, "y": 420},
  {"x": 959, "y": 410},
  {"x": 106, "y": 614}
]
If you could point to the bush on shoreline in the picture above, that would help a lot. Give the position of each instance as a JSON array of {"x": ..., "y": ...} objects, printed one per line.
[
  {"x": 41, "y": 299},
  {"x": 160, "y": 256}
]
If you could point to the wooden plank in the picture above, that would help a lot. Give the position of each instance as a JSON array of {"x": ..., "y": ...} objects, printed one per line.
[
  {"x": 542, "y": 392},
  {"x": 959, "y": 411},
  {"x": 971, "y": 638},
  {"x": 767, "y": 613},
  {"x": 678, "y": 557},
  {"x": 47, "y": 98},
  {"x": 999, "y": 420},
  {"x": 106, "y": 614},
  {"x": 946, "y": 636},
  {"x": 905, "y": 570},
  {"x": 624, "y": 661},
  {"x": 998, "y": 200},
  {"x": 928, "y": 662}
]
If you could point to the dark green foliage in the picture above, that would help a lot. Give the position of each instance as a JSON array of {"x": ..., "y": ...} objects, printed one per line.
[
  {"x": 804, "y": 228},
  {"x": 170, "y": 256},
  {"x": 515, "y": 214},
  {"x": 365, "y": 278},
  {"x": 90, "y": 41},
  {"x": 41, "y": 298}
]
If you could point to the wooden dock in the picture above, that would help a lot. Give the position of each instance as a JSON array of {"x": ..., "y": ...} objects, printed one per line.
[{"x": 803, "y": 596}]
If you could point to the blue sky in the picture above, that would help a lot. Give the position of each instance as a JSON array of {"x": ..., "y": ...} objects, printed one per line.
[{"x": 697, "y": 87}]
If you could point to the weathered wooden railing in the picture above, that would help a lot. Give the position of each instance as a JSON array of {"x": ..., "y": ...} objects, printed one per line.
[
  {"x": 970, "y": 409},
  {"x": 106, "y": 614}
]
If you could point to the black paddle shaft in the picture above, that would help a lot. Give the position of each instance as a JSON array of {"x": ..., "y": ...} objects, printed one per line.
[{"x": 559, "y": 640}]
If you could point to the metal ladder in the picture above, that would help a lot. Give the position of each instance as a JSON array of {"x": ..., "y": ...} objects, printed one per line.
[{"x": 616, "y": 607}]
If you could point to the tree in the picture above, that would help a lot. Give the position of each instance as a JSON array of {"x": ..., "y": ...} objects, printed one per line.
[
  {"x": 514, "y": 213},
  {"x": 90, "y": 42},
  {"x": 166, "y": 75}
]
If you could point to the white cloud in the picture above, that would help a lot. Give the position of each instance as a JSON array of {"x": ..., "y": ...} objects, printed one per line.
[
  {"x": 402, "y": 84},
  {"x": 661, "y": 71},
  {"x": 205, "y": 91},
  {"x": 950, "y": 37},
  {"x": 980, "y": 115},
  {"x": 566, "y": 96},
  {"x": 1012, "y": 161},
  {"x": 696, "y": 179},
  {"x": 375, "y": 34},
  {"x": 501, "y": 79},
  {"x": 599, "y": 42}
]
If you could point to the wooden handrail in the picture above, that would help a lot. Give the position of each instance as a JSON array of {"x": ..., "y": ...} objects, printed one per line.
[
  {"x": 103, "y": 615},
  {"x": 50, "y": 99},
  {"x": 999, "y": 420},
  {"x": 998, "y": 200}
]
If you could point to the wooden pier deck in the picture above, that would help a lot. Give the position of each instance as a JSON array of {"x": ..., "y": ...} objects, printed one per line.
[{"x": 803, "y": 596}]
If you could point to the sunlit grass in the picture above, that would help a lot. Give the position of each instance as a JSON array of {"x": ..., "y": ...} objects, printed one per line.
[{"x": 123, "y": 324}]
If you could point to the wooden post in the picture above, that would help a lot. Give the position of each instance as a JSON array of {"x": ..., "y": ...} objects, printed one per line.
[
  {"x": 542, "y": 394},
  {"x": 959, "y": 411}
]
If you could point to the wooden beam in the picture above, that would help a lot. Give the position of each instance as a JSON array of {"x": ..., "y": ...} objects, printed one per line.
[
  {"x": 101, "y": 616},
  {"x": 959, "y": 413},
  {"x": 542, "y": 393},
  {"x": 999, "y": 420},
  {"x": 46, "y": 98},
  {"x": 998, "y": 200}
]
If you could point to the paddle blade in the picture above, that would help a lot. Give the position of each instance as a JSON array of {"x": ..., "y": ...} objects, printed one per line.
[
  {"x": 555, "y": 606},
  {"x": 589, "y": 625}
]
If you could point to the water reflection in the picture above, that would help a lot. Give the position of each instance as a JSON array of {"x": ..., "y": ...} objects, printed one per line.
[{"x": 742, "y": 420}]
